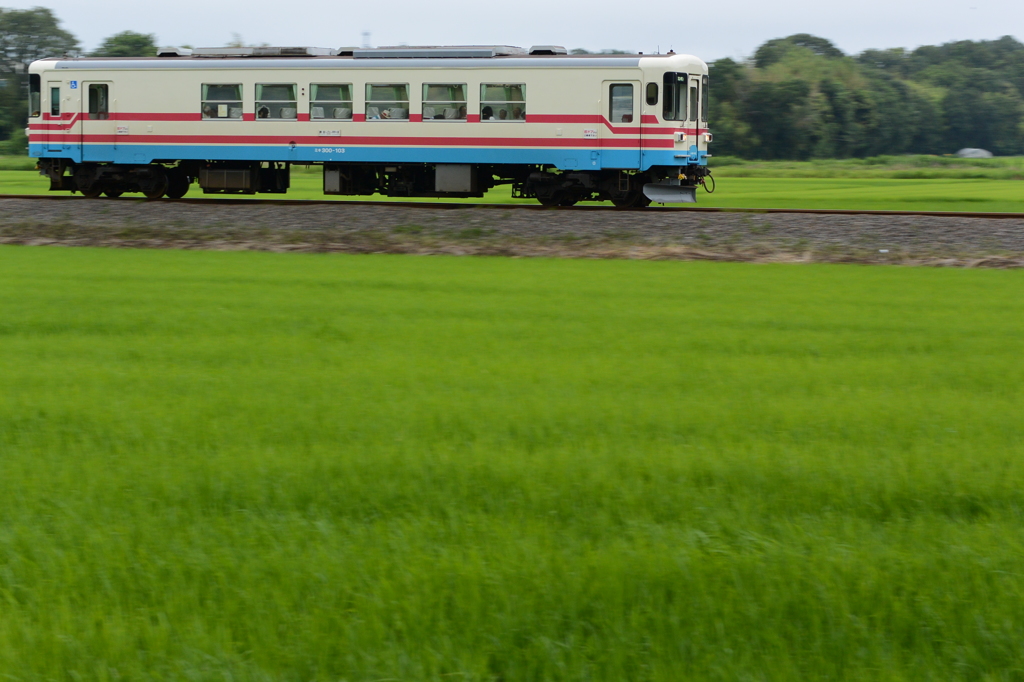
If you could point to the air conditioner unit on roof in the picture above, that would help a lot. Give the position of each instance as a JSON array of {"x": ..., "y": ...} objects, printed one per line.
[
  {"x": 432, "y": 52},
  {"x": 173, "y": 52},
  {"x": 263, "y": 52}
]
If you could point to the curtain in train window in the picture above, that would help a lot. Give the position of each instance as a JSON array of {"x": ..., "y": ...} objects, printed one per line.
[
  {"x": 502, "y": 102},
  {"x": 387, "y": 101},
  {"x": 444, "y": 102},
  {"x": 276, "y": 101},
  {"x": 222, "y": 100},
  {"x": 330, "y": 101}
]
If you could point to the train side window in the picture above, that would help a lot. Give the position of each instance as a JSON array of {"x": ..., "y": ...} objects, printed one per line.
[
  {"x": 330, "y": 101},
  {"x": 222, "y": 101},
  {"x": 704, "y": 100},
  {"x": 693, "y": 102},
  {"x": 652, "y": 94},
  {"x": 621, "y": 103},
  {"x": 502, "y": 102},
  {"x": 444, "y": 102},
  {"x": 34, "y": 94},
  {"x": 99, "y": 102},
  {"x": 387, "y": 101},
  {"x": 276, "y": 101},
  {"x": 54, "y": 101},
  {"x": 674, "y": 100}
]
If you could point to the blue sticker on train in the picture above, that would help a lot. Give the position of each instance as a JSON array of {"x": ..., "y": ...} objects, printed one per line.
[{"x": 74, "y": 85}]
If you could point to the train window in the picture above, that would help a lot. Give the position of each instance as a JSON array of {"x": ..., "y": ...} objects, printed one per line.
[
  {"x": 652, "y": 94},
  {"x": 704, "y": 101},
  {"x": 276, "y": 101},
  {"x": 54, "y": 101},
  {"x": 331, "y": 101},
  {"x": 621, "y": 103},
  {"x": 444, "y": 102},
  {"x": 222, "y": 100},
  {"x": 34, "y": 91},
  {"x": 387, "y": 101},
  {"x": 99, "y": 102},
  {"x": 502, "y": 102},
  {"x": 693, "y": 102},
  {"x": 674, "y": 100}
]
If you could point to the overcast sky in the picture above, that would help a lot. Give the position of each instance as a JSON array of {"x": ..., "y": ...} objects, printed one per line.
[{"x": 709, "y": 29}]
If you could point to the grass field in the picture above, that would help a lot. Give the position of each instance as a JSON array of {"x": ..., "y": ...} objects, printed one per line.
[
  {"x": 889, "y": 183},
  {"x": 253, "y": 466}
]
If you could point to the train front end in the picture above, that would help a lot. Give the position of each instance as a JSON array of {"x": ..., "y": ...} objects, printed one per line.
[{"x": 676, "y": 135}]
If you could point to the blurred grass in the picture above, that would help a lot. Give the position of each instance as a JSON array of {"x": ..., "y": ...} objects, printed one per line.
[
  {"x": 253, "y": 466},
  {"x": 910, "y": 167},
  {"x": 16, "y": 163}
]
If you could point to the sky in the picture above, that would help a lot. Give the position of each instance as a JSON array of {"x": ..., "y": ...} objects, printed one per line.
[{"x": 709, "y": 29}]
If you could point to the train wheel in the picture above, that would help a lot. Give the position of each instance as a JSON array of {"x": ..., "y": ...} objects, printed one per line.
[
  {"x": 559, "y": 199},
  {"x": 177, "y": 184},
  {"x": 92, "y": 192},
  {"x": 113, "y": 194},
  {"x": 158, "y": 187},
  {"x": 632, "y": 200}
]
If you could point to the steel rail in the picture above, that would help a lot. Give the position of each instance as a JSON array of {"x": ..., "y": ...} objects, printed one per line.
[{"x": 227, "y": 201}]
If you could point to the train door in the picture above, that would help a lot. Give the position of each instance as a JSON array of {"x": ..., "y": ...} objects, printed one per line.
[
  {"x": 53, "y": 131},
  {"x": 99, "y": 139},
  {"x": 693, "y": 116},
  {"x": 621, "y": 137}
]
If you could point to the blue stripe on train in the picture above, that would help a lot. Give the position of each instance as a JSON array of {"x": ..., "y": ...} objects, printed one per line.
[{"x": 564, "y": 159}]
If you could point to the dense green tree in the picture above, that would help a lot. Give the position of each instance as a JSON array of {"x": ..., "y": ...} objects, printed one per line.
[
  {"x": 801, "y": 97},
  {"x": 28, "y": 35},
  {"x": 775, "y": 50},
  {"x": 127, "y": 44},
  {"x": 25, "y": 36}
]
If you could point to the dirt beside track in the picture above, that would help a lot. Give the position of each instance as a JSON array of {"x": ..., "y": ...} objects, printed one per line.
[{"x": 393, "y": 228}]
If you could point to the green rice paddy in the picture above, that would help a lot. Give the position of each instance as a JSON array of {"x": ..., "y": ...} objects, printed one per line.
[{"x": 248, "y": 466}]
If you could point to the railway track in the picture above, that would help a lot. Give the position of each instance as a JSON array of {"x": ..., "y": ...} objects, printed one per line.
[{"x": 227, "y": 201}]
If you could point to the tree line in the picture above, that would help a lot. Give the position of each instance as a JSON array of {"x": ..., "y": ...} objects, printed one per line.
[
  {"x": 802, "y": 98},
  {"x": 28, "y": 35},
  {"x": 797, "y": 98}
]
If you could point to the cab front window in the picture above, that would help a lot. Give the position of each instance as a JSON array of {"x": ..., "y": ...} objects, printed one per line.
[{"x": 674, "y": 98}]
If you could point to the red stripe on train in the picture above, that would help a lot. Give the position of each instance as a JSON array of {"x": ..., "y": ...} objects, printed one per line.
[{"x": 373, "y": 140}]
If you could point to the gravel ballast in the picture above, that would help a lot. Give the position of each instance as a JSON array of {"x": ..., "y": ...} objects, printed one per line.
[{"x": 511, "y": 231}]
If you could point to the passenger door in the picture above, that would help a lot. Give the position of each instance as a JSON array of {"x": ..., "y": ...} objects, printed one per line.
[
  {"x": 620, "y": 144},
  {"x": 52, "y": 116},
  {"x": 99, "y": 129},
  {"x": 693, "y": 117}
]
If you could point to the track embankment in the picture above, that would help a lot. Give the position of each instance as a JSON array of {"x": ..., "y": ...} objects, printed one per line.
[{"x": 395, "y": 228}]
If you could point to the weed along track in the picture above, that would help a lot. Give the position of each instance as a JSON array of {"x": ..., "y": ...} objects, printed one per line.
[
  {"x": 995, "y": 240},
  {"x": 442, "y": 205}
]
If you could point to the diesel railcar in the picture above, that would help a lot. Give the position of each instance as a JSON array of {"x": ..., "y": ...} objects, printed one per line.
[{"x": 404, "y": 121}]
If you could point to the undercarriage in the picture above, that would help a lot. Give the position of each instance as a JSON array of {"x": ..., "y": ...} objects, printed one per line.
[{"x": 550, "y": 186}]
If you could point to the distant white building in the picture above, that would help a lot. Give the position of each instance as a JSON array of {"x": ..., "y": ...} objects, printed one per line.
[{"x": 970, "y": 153}]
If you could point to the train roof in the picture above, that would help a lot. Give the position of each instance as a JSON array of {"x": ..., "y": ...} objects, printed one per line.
[{"x": 502, "y": 56}]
